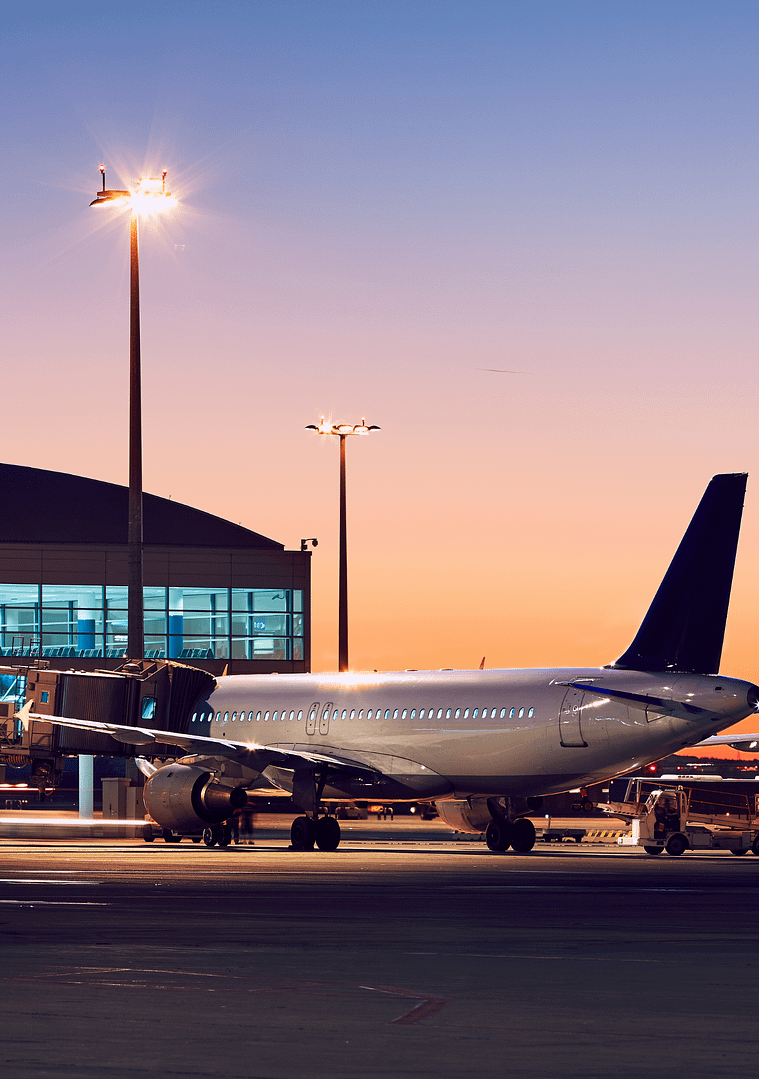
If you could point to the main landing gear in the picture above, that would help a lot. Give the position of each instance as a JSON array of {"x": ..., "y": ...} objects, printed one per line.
[
  {"x": 312, "y": 830},
  {"x": 503, "y": 833},
  {"x": 307, "y": 832}
]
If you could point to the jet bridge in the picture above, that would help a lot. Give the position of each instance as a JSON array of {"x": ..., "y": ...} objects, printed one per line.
[{"x": 158, "y": 693}]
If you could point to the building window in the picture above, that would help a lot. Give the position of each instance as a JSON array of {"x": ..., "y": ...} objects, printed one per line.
[{"x": 90, "y": 621}]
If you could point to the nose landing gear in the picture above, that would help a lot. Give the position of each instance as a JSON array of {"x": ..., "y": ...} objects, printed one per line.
[{"x": 219, "y": 835}]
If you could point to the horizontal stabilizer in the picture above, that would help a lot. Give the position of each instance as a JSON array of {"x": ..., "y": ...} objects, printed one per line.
[
  {"x": 746, "y": 743},
  {"x": 663, "y": 706},
  {"x": 685, "y": 625}
]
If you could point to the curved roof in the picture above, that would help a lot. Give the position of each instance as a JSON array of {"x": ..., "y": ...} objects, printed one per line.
[{"x": 56, "y": 507}]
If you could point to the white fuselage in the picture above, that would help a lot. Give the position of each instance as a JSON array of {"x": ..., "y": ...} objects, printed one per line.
[{"x": 454, "y": 734}]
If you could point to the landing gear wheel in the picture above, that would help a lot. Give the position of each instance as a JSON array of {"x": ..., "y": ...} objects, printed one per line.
[
  {"x": 522, "y": 835},
  {"x": 676, "y": 844},
  {"x": 208, "y": 837},
  {"x": 223, "y": 834},
  {"x": 740, "y": 851},
  {"x": 169, "y": 837},
  {"x": 147, "y": 833},
  {"x": 302, "y": 833},
  {"x": 498, "y": 834},
  {"x": 653, "y": 850},
  {"x": 755, "y": 846},
  {"x": 327, "y": 833},
  {"x": 195, "y": 838}
]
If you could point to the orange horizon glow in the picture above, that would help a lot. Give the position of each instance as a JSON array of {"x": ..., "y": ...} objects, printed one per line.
[{"x": 385, "y": 214}]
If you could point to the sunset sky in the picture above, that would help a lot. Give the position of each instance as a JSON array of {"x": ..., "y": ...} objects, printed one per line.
[{"x": 381, "y": 201}]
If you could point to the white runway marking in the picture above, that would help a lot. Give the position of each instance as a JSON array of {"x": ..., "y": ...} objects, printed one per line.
[
  {"x": 49, "y": 903},
  {"x": 571, "y": 958},
  {"x": 37, "y": 880}
]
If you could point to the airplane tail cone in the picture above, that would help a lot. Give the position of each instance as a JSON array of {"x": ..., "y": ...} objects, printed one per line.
[{"x": 685, "y": 624}]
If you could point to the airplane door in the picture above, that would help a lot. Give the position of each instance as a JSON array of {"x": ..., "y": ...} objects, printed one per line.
[
  {"x": 313, "y": 714},
  {"x": 570, "y": 730},
  {"x": 324, "y": 721}
]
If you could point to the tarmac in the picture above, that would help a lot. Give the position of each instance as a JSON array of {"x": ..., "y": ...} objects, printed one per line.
[{"x": 402, "y": 955}]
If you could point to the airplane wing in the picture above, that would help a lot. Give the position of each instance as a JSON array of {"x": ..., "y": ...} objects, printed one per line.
[{"x": 251, "y": 754}]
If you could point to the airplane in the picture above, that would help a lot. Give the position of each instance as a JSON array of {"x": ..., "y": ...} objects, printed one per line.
[{"x": 484, "y": 745}]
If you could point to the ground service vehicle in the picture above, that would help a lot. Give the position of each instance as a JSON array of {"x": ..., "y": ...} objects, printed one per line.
[{"x": 700, "y": 816}]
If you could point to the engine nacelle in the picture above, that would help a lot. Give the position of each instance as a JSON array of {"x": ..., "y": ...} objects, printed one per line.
[
  {"x": 465, "y": 815},
  {"x": 185, "y": 798}
]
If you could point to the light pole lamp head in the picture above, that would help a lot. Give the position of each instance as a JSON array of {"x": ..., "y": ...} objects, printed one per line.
[
  {"x": 342, "y": 429},
  {"x": 363, "y": 429},
  {"x": 149, "y": 196}
]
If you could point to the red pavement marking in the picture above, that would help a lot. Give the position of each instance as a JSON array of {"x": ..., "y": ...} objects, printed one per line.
[{"x": 428, "y": 1005}]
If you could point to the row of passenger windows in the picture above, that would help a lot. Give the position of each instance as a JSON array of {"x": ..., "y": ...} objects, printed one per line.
[{"x": 369, "y": 713}]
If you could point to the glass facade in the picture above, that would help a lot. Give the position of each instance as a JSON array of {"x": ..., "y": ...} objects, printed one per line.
[{"x": 90, "y": 621}]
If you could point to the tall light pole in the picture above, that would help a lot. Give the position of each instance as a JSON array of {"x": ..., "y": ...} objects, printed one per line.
[
  {"x": 343, "y": 431},
  {"x": 148, "y": 197}
]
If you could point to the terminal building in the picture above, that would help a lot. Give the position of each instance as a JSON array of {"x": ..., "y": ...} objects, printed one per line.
[{"x": 217, "y": 596}]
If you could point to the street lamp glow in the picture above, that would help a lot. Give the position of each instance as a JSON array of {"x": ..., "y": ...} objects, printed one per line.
[
  {"x": 148, "y": 197},
  {"x": 343, "y": 431}
]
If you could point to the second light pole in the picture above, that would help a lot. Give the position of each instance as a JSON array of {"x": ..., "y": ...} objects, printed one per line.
[{"x": 343, "y": 431}]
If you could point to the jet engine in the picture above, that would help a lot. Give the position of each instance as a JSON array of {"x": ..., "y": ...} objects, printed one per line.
[
  {"x": 185, "y": 798},
  {"x": 465, "y": 815}
]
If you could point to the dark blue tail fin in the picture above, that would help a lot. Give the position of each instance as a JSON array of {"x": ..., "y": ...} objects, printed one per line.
[{"x": 685, "y": 625}]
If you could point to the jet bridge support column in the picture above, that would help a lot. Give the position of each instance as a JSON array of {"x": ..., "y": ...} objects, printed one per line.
[{"x": 86, "y": 785}]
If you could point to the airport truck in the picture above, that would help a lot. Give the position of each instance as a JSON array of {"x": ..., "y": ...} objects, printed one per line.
[{"x": 699, "y": 816}]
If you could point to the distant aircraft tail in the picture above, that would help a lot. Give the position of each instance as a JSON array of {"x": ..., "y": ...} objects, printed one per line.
[{"x": 685, "y": 625}]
